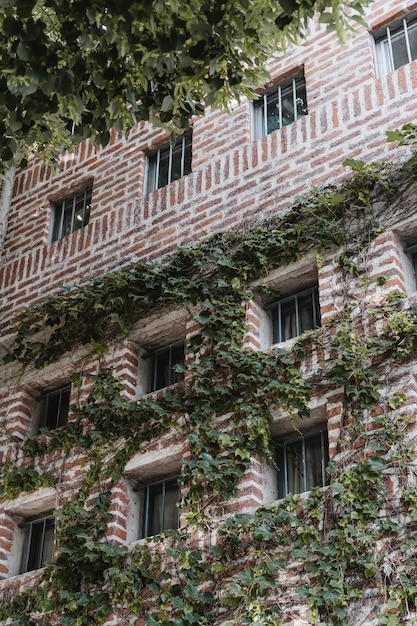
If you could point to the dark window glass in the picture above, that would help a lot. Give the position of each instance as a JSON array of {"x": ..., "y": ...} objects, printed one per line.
[
  {"x": 294, "y": 315},
  {"x": 160, "y": 507},
  {"x": 302, "y": 463},
  {"x": 169, "y": 163},
  {"x": 39, "y": 543},
  {"x": 54, "y": 408},
  {"x": 163, "y": 366},
  {"x": 71, "y": 213},
  {"x": 282, "y": 105}
]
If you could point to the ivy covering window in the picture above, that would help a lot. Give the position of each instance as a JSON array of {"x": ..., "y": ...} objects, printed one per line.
[
  {"x": 71, "y": 213},
  {"x": 302, "y": 463},
  {"x": 294, "y": 315},
  {"x": 169, "y": 163},
  {"x": 277, "y": 107},
  {"x": 39, "y": 543},
  {"x": 54, "y": 407},
  {"x": 163, "y": 365},
  {"x": 396, "y": 45},
  {"x": 160, "y": 507}
]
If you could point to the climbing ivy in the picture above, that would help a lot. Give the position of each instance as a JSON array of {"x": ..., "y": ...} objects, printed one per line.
[{"x": 237, "y": 572}]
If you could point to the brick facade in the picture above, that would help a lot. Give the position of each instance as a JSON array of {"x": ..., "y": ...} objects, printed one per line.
[{"x": 235, "y": 182}]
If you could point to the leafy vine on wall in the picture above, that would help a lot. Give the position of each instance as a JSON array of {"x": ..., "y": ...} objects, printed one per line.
[{"x": 335, "y": 537}]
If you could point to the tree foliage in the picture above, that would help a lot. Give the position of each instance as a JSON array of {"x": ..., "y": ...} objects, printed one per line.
[{"x": 109, "y": 65}]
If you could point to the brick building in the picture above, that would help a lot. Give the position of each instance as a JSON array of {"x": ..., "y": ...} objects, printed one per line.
[{"x": 113, "y": 211}]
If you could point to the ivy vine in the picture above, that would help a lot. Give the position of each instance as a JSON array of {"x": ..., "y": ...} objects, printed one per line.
[{"x": 237, "y": 574}]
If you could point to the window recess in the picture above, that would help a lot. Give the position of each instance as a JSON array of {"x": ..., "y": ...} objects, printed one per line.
[
  {"x": 280, "y": 106},
  {"x": 396, "y": 45},
  {"x": 302, "y": 463},
  {"x": 169, "y": 163},
  {"x": 295, "y": 314},
  {"x": 159, "y": 506},
  {"x": 38, "y": 543}
]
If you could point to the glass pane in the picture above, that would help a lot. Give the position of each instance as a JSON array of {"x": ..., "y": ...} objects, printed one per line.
[
  {"x": 272, "y": 112},
  {"x": 82, "y": 210},
  {"x": 57, "y": 215},
  {"x": 412, "y": 39},
  {"x": 161, "y": 370},
  {"x": 383, "y": 56},
  {"x": 287, "y": 105},
  {"x": 48, "y": 543},
  {"x": 301, "y": 99},
  {"x": 288, "y": 320},
  {"x": 64, "y": 407},
  {"x": 154, "y": 512},
  {"x": 258, "y": 119},
  {"x": 295, "y": 467},
  {"x": 176, "y": 166},
  {"x": 305, "y": 312},
  {"x": 171, "y": 509},
  {"x": 188, "y": 154},
  {"x": 67, "y": 223},
  {"x": 35, "y": 530},
  {"x": 399, "y": 49},
  {"x": 313, "y": 462},
  {"x": 163, "y": 167},
  {"x": 177, "y": 358},
  {"x": 151, "y": 181}
]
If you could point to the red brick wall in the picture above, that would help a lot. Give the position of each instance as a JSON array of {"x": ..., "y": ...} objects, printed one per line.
[{"x": 234, "y": 179}]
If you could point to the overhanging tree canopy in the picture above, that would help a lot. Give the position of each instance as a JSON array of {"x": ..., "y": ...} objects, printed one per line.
[{"x": 104, "y": 65}]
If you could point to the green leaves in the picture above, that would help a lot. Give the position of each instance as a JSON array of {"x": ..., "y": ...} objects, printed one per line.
[{"x": 172, "y": 58}]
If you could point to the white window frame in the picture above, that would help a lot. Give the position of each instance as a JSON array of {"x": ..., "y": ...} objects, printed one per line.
[
  {"x": 384, "y": 58},
  {"x": 295, "y": 85},
  {"x": 67, "y": 208},
  {"x": 183, "y": 146}
]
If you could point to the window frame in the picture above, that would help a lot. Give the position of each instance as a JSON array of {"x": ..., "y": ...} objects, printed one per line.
[
  {"x": 28, "y": 526},
  {"x": 43, "y": 403},
  {"x": 385, "y": 63},
  {"x": 147, "y": 511},
  {"x": 184, "y": 144},
  {"x": 276, "y": 313},
  {"x": 154, "y": 371},
  {"x": 60, "y": 210},
  {"x": 260, "y": 106},
  {"x": 282, "y": 463}
]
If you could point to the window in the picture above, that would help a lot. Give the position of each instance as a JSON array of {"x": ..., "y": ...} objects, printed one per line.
[
  {"x": 283, "y": 104},
  {"x": 71, "y": 213},
  {"x": 54, "y": 406},
  {"x": 396, "y": 45},
  {"x": 160, "y": 507},
  {"x": 163, "y": 365},
  {"x": 302, "y": 463},
  {"x": 295, "y": 314},
  {"x": 39, "y": 543},
  {"x": 169, "y": 163}
]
